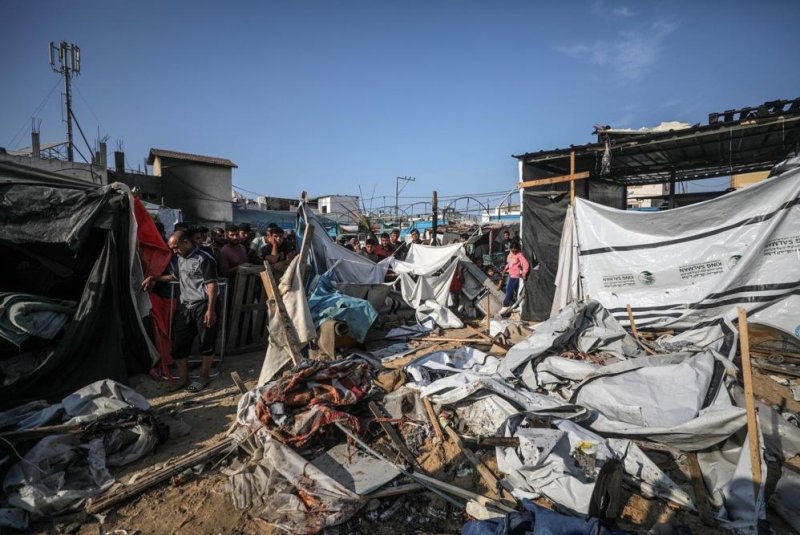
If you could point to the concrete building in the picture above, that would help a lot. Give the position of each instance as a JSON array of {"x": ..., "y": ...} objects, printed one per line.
[
  {"x": 642, "y": 196},
  {"x": 343, "y": 209},
  {"x": 198, "y": 185},
  {"x": 49, "y": 157}
]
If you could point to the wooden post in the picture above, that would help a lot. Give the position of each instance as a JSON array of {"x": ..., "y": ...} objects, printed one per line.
[
  {"x": 434, "y": 224},
  {"x": 572, "y": 178},
  {"x": 633, "y": 323},
  {"x": 437, "y": 429},
  {"x": 284, "y": 323},
  {"x": 752, "y": 422}
]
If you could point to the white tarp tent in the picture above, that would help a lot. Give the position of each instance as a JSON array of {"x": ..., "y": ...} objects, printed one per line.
[{"x": 691, "y": 267}]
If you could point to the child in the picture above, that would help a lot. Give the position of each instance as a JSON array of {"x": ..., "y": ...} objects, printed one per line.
[
  {"x": 494, "y": 276},
  {"x": 516, "y": 266}
]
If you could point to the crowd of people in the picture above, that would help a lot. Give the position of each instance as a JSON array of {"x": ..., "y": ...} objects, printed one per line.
[{"x": 203, "y": 256}]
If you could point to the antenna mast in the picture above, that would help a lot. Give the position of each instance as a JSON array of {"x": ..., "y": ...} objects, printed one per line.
[{"x": 65, "y": 59}]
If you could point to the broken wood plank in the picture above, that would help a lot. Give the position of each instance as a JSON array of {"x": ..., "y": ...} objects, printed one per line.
[
  {"x": 700, "y": 493},
  {"x": 378, "y": 412},
  {"x": 117, "y": 495},
  {"x": 457, "y": 340},
  {"x": 490, "y": 442},
  {"x": 554, "y": 180},
  {"x": 752, "y": 422},
  {"x": 284, "y": 322},
  {"x": 488, "y": 477},
  {"x": 572, "y": 178},
  {"x": 437, "y": 429},
  {"x": 785, "y": 370},
  {"x": 635, "y": 331}
]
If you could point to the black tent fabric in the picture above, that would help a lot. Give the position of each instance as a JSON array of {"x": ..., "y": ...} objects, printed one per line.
[
  {"x": 72, "y": 244},
  {"x": 542, "y": 220}
]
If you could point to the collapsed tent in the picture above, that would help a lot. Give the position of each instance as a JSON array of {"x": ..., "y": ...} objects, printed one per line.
[
  {"x": 73, "y": 244},
  {"x": 691, "y": 267}
]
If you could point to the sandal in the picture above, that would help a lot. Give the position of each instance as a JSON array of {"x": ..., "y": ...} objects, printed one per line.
[{"x": 197, "y": 386}]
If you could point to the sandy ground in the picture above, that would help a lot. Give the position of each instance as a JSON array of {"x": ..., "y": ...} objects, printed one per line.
[{"x": 203, "y": 505}]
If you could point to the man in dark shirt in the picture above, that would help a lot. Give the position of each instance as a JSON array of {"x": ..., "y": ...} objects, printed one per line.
[
  {"x": 197, "y": 315},
  {"x": 276, "y": 252},
  {"x": 234, "y": 252},
  {"x": 415, "y": 237},
  {"x": 369, "y": 251},
  {"x": 505, "y": 243}
]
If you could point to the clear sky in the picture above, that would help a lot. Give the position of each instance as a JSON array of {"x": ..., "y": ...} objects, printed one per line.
[{"x": 327, "y": 96}]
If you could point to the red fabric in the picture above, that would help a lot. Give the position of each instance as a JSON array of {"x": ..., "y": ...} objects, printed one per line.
[{"x": 155, "y": 257}]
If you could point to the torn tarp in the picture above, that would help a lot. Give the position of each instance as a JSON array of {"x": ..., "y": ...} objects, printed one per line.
[
  {"x": 328, "y": 303},
  {"x": 587, "y": 324},
  {"x": 679, "y": 400},
  {"x": 25, "y": 315}
]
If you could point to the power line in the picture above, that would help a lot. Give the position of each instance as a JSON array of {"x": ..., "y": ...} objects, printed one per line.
[{"x": 36, "y": 111}]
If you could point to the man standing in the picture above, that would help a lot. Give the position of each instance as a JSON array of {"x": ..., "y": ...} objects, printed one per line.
[
  {"x": 234, "y": 252},
  {"x": 197, "y": 315},
  {"x": 385, "y": 248},
  {"x": 505, "y": 243},
  {"x": 415, "y": 237}
]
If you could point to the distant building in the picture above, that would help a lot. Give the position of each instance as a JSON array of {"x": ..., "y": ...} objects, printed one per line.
[
  {"x": 50, "y": 157},
  {"x": 747, "y": 179},
  {"x": 643, "y": 196},
  {"x": 198, "y": 185},
  {"x": 340, "y": 208}
]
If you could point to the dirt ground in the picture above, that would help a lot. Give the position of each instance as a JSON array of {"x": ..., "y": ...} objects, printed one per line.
[{"x": 203, "y": 504}]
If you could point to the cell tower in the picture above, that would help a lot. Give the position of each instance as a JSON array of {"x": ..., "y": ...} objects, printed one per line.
[{"x": 65, "y": 59}]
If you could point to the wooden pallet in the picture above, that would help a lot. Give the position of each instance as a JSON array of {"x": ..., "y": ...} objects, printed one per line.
[{"x": 247, "y": 324}]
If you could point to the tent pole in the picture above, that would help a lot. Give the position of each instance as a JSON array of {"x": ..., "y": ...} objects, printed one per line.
[{"x": 752, "y": 423}]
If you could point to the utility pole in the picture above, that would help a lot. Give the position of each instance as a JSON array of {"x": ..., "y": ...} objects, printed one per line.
[
  {"x": 68, "y": 56},
  {"x": 397, "y": 192}
]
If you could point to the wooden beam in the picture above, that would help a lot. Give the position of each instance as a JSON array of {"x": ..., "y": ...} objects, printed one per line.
[
  {"x": 377, "y": 411},
  {"x": 284, "y": 322},
  {"x": 437, "y": 429},
  {"x": 572, "y": 178},
  {"x": 553, "y": 180},
  {"x": 752, "y": 422},
  {"x": 700, "y": 493},
  {"x": 488, "y": 477}
]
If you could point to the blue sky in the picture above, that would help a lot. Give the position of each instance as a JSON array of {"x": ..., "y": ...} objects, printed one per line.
[{"x": 328, "y": 96}]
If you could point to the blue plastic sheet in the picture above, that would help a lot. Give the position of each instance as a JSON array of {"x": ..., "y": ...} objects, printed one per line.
[{"x": 328, "y": 303}]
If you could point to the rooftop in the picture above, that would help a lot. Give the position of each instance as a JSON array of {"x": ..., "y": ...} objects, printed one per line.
[
  {"x": 733, "y": 142},
  {"x": 175, "y": 155}
]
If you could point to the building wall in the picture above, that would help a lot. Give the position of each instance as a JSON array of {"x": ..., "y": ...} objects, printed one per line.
[
  {"x": 341, "y": 208},
  {"x": 746, "y": 179},
  {"x": 93, "y": 174},
  {"x": 638, "y": 195},
  {"x": 201, "y": 191},
  {"x": 149, "y": 186}
]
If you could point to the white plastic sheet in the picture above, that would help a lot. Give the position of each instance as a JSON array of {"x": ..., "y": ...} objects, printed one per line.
[{"x": 692, "y": 266}]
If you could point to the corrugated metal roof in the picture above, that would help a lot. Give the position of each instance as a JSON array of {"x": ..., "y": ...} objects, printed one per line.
[
  {"x": 755, "y": 142},
  {"x": 175, "y": 155}
]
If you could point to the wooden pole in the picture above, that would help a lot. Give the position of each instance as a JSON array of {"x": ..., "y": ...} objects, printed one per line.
[
  {"x": 284, "y": 322},
  {"x": 572, "y": 178},
  {"x": 633, "y": 323},
  {"x": 437, "y": 429},
  {"x": 434, "y": 224},
  {"x": 752, "y": 422}
]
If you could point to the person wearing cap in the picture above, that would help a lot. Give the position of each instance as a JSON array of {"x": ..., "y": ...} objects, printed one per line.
[{"x": 369, "y": 251}]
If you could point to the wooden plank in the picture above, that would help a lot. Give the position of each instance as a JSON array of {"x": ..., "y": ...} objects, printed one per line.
[
  {"x": 700, "y": 492},
  {"x": 488, "y": 477},
  {"x": 437, "y": 429},
  {"x": 572, "y": 178},
  {"x": 635, "y": 331},
  {"x": 392, "y": 434},
  {"x": 752, "y": 422},
  {"x": 284, "y": 323},
  {"x": 117, "y": 495},
  {"x": 554, "y": 180},
  {"x": 759, "y": 363}
]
